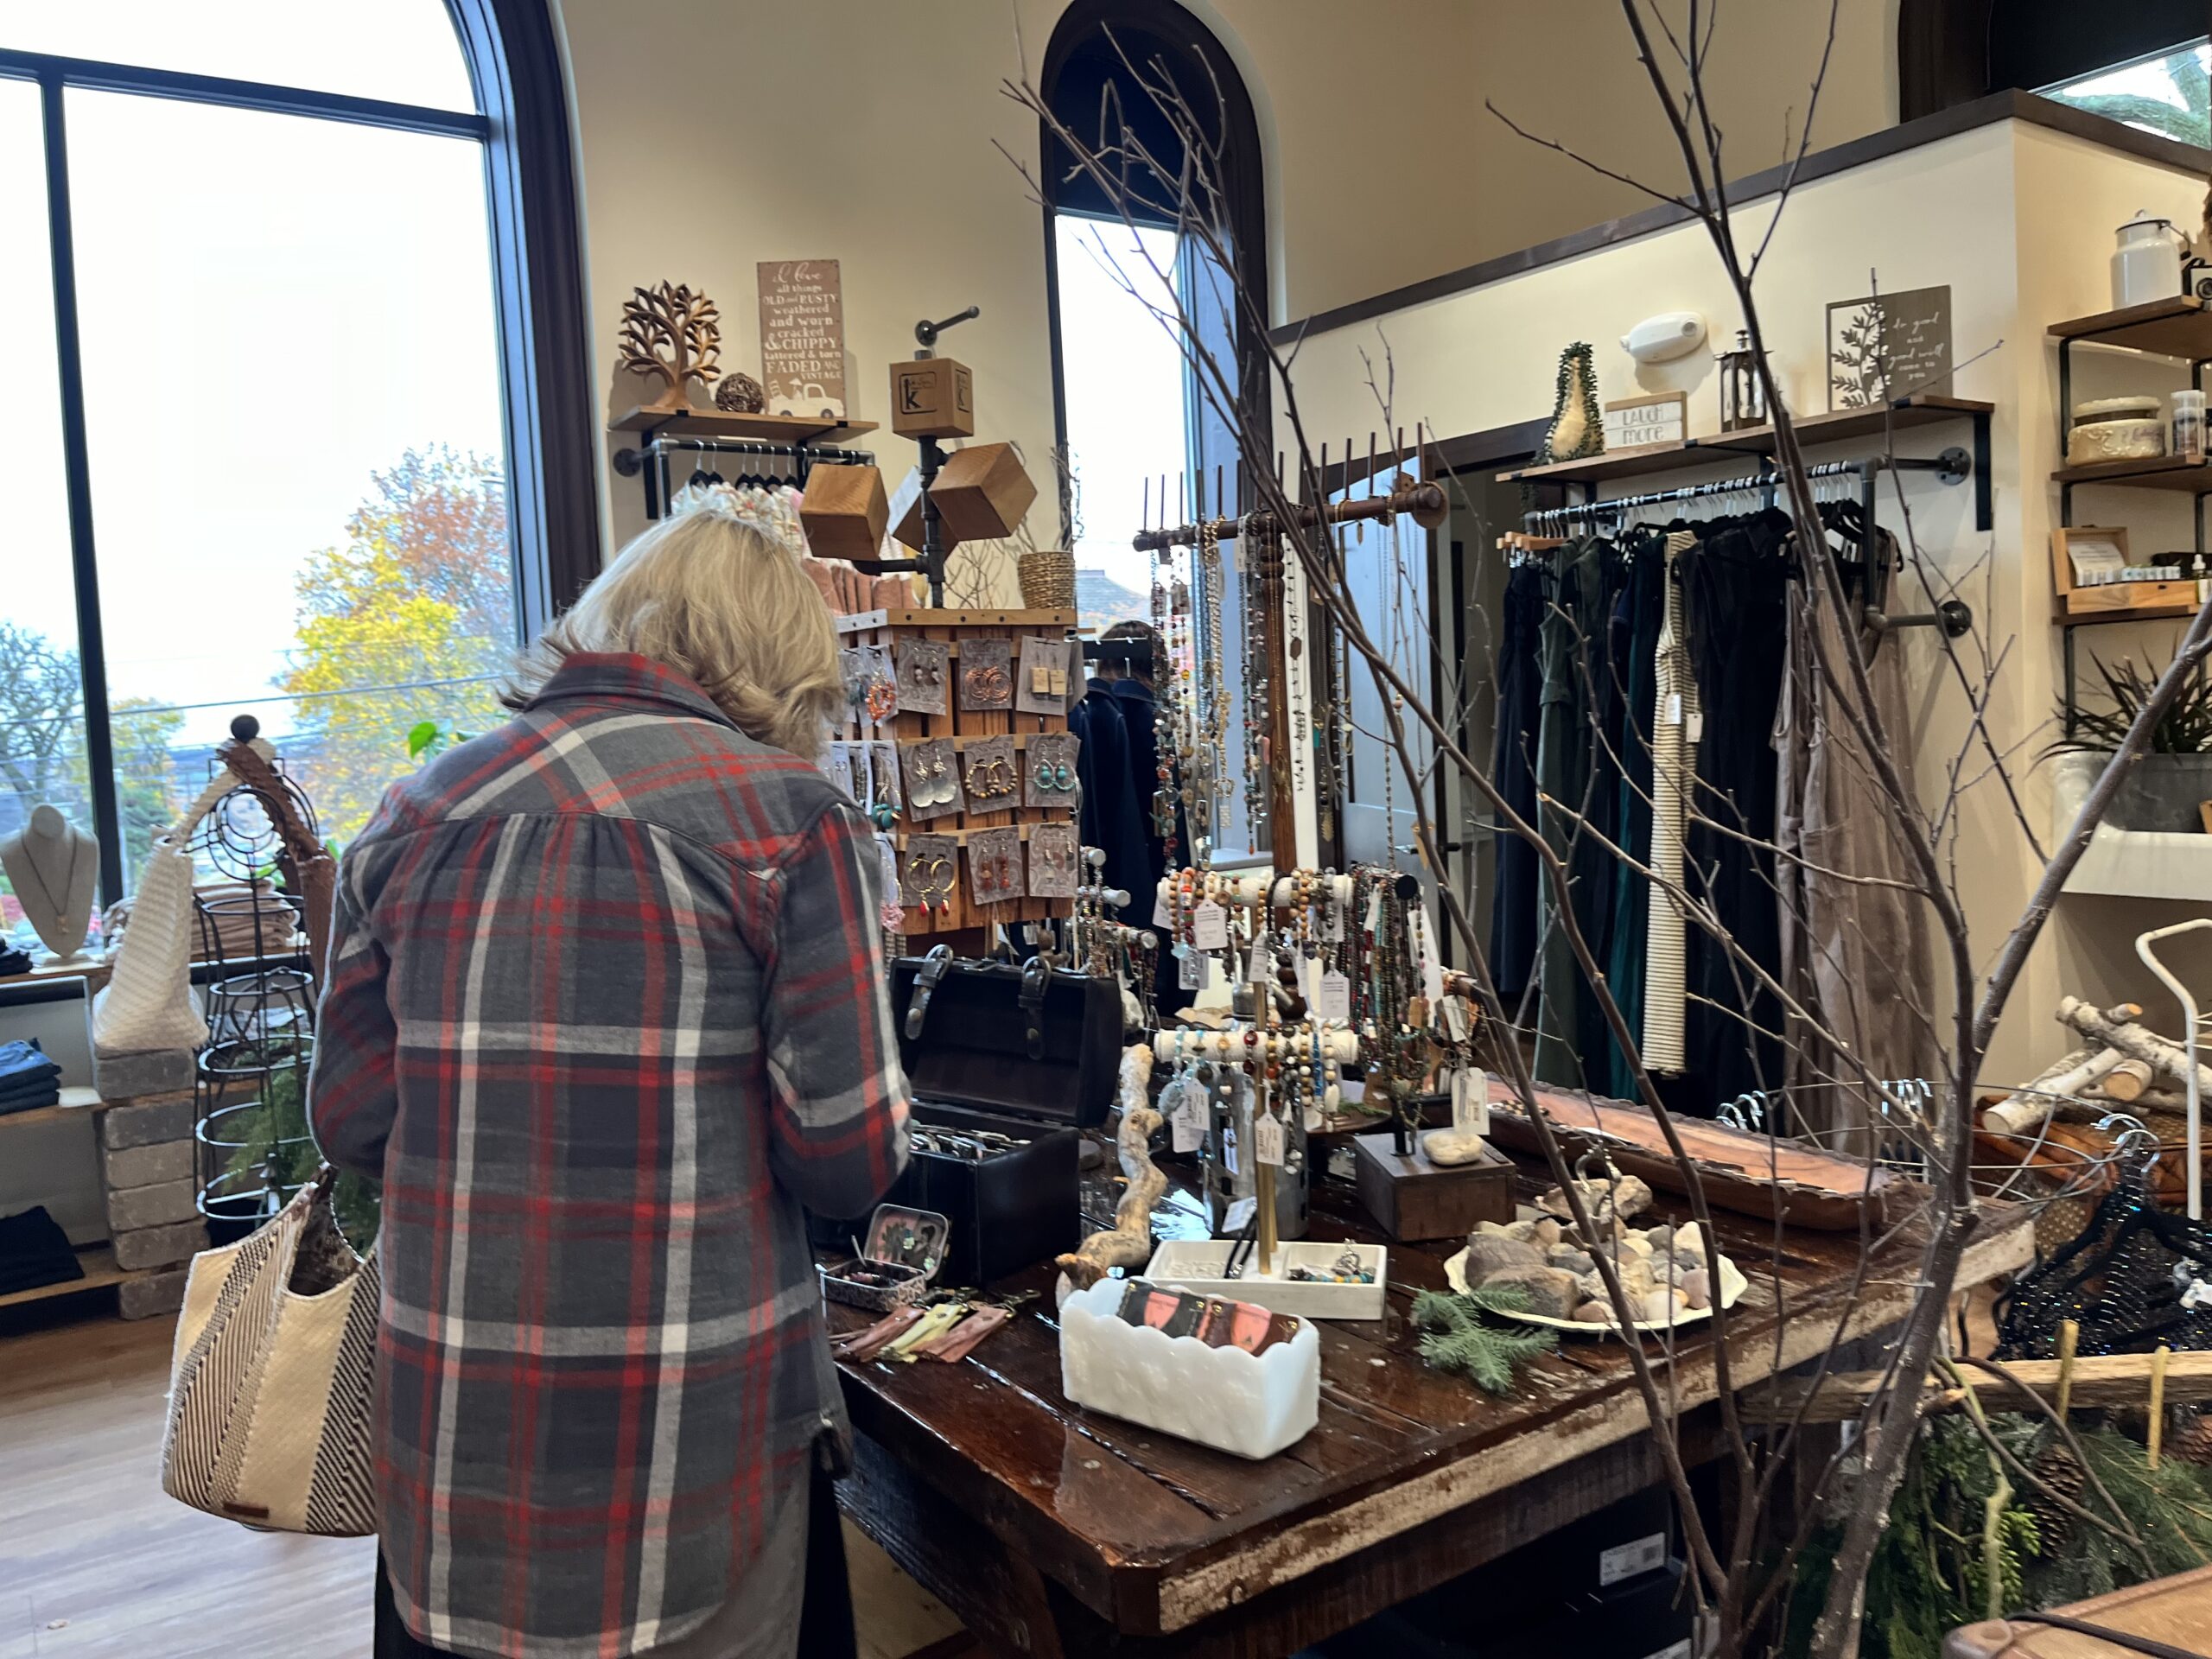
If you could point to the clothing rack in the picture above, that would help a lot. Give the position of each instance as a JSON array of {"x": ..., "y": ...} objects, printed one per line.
[
  {"x": 1953, "y": 465},
  {"x": 651, "y": 459}
]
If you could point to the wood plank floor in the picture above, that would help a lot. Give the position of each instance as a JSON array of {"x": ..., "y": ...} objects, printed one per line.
[{"x": 96, "y": 1562}]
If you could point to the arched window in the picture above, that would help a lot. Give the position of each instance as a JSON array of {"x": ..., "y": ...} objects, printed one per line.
[
  {"x": 304, "y": 428},
  {"x": 1132, "y": 416},
  {"x": 2142, "y": 63}
]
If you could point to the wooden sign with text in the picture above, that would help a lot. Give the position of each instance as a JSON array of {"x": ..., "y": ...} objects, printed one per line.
[
  {"x": 1888, "y": 346},
  {"x": 1633, "y": 423},
  {"x": 803, "y": 337}
]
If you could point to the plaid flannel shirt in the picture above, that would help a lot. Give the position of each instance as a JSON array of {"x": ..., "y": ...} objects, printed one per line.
[{"x": 605, "y": 1007}]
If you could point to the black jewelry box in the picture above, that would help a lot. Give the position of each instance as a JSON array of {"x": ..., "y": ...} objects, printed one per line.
[{"x": 1021, "y": 1051}]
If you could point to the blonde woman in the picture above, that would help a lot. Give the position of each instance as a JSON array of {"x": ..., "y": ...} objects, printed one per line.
[{"x": 605, "y": 1010}]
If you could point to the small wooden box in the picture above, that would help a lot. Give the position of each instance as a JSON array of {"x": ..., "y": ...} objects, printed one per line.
[
  {"x": 844, "y": 512},
  {"x": 1411, "y": 1198},
  {"x": 982, "y": 492},
  {"x": 933, "y": 398}
]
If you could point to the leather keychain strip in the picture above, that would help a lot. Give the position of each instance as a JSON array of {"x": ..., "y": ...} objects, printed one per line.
[
  {"x": 932, "y": 1322},
  {"x": 860, "y": 1346},
  {"x": 959, "y": 1342}
]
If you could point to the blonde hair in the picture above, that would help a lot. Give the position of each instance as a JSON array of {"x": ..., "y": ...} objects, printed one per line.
[{"x": 720, "y": 603}]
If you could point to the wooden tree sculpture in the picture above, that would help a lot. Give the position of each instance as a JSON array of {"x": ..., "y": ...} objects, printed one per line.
[{"x": 685, "y": 326}]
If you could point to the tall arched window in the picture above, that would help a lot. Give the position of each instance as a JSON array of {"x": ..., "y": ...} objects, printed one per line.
[
  {"x": 1132, "y": 414},
  {"x": 302, "y": 427}
]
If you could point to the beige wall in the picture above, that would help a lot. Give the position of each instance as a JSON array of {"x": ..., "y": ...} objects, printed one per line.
[{"x": 712, "y": 134}]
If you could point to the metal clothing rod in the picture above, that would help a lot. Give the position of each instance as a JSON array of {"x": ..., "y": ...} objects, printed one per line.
[
  {"x": 627, "y": 461},
  {"x": 1426, "y": 504},
  {"x": 1953, "y": 465}
]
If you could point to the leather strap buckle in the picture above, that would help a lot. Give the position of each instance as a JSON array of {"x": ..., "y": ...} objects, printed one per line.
[
  {"x": 1036, "y": 974},
  {"x": 936, "y": 964}
]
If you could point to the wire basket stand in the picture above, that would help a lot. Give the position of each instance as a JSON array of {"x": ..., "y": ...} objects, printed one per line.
[{"x": 251, "y": 1087}]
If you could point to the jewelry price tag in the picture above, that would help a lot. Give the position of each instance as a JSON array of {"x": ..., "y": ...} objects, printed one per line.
[
  {"x": 1210, "y": 927},
  {"x": 1471, "y": 1100},
  {"x": 1161, "y": 917},
  {"x": 1256, "y": 965},
  {"x": 1458, "y": 1024},
  {"x": 1267, "y": 1139},
  {"x": 1188, "y": 1119},
  {"x": 1334, "y": 1002},
  {"x": 1190, "y": 969}
]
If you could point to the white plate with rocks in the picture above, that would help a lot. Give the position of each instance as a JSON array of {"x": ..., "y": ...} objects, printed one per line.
[{"x": 1665, "y": 1266}]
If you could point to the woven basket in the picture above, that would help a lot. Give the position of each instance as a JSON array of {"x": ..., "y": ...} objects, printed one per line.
[{"x": 1047, "y": 580}]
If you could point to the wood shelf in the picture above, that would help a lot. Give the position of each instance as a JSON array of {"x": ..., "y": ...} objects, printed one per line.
[
  {"x": 2139, "y": 613},
  {"x": 721, "y": 423},
  {"x": 76, "y": 1101},
  {"x": 100, "y": 1272},
  {"x": 2179, "y": 327},
  {"x": 92, "y": 970},
  {"x": 1838, "y": 427},
  {"x": 2160, "y": 473}
]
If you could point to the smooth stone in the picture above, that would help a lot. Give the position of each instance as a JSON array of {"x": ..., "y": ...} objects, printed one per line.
[
  {"x": 1697, "y": 1288},
  {"x": 1577, "y": 1263},
  {"x": 1629, "y": 1196},
  {"x": 1488, "y": 1254},
  {"x": 1637, "y": 1243},
  {"x": 1660, "y": 1306},
  {"x": 1689, "y": 1236},
  {"x": 1593, "y": 1313},
  {"x": 1448, "y": 1148},
  {"x": 1660, "y": 1238},
  {"x": 1548, "y": 1232},
  {"x": 1552, "y": 1292}
]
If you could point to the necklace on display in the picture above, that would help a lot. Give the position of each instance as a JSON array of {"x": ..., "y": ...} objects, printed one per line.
[{"x": 58, "y": 906}]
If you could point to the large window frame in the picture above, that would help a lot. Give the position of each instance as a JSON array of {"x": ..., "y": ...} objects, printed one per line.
[
  {"x": 521, "y": 120},
  {"x": 1162, "y": 35},
  {"x": 1951, "y": 52}
]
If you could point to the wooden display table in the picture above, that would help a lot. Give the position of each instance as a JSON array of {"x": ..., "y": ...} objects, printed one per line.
[{"x": 1054, "y": 1531}]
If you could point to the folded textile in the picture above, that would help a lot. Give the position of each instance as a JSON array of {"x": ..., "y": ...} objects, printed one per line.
[
  {"x": 13, "y": 961},
  {"x": 25, "y": 1100},
  {"x": 34, "y": 1251},
  {"x": 26, "y": 1061}
]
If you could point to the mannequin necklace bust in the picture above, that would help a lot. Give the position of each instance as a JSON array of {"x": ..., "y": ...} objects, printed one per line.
[{"x": 54, "y": 867}]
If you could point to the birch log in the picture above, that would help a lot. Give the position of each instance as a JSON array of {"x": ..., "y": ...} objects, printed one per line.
[
  {"x": 2136, "y": 1041},
  {"x": 2126, "y": 1081},
  {"x": 1129, "y": 1243},
  {"x": 2028, "y": 1108}
]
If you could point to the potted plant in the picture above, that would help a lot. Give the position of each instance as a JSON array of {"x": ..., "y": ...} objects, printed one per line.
[{"x": 2172, "y": 776}]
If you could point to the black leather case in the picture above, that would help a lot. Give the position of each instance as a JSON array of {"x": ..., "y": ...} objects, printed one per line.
[{"x": 1026, "y": 1054}]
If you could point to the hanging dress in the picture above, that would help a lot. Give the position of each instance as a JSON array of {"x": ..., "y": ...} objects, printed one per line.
[{"x": 1675, "y": 722}]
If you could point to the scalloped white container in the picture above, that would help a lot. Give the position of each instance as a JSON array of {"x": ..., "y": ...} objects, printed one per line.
[
  {"x": 1198, "y": 1264},
  {"x": 1254, "y": 1405}
]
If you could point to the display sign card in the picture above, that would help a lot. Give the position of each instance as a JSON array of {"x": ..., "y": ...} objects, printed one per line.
[
  {"x": 1888, "y": 346},
  {"x": 1633, "y": 423},
  {"x": 803, "y": 337}
]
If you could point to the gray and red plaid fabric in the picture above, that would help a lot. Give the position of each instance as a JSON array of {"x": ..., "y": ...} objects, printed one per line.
[{"x": 606, "y": 1007}]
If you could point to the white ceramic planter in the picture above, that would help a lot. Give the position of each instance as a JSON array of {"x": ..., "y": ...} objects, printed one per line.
[{"x": 1254, "y": 1405}]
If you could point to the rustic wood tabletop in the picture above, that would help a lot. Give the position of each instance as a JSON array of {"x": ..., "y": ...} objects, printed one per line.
[{"x": 1053, "y": 1530}]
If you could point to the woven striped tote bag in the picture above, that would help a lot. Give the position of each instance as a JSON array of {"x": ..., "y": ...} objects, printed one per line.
[{"x": 270, "y": 1378}]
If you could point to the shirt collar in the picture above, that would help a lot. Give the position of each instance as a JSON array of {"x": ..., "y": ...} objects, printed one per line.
[
  {"x": 624, "y": 676},
  {"x": 1131, "y": 689}
]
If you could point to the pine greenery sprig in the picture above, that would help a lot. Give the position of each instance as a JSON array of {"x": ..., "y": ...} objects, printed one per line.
[{"x": 1457, "y": 1341}]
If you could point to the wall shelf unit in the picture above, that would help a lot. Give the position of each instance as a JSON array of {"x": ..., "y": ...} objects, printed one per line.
[
  {"x": 1839, "y": 426},
  {"x": 2178, "y": 328}
]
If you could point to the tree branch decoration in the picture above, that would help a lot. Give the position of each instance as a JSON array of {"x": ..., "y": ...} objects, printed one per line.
[
  {"x": 1577, "y": 427},
  {"x": 685, "y": 326}
]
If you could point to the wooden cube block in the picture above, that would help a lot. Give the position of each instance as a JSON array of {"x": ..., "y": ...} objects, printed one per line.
[
  {"x": 909, "y": 533},
  {"x": 844, "y": 512},
  {"x": 933, "y": 398},
  {"x": 982, "y": 492},
  {"x": 1411, "y": 1198}
]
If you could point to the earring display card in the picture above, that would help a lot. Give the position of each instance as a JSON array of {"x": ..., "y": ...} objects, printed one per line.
[
  {"x": 1041, "y": 687},
  {"x": 929, "y": 871},
  {"x": 986, "y": 675},
  {"x": 932, "y": 779},
  {"x": 1048, "y": 770},
  {"x": 1052, "y": 860},
  {"x": 923, "y": 667},
  {"x": 990, "y": 774},
  {"x": 852, "y": 667},
  {"x": 879, "y": 695},
  {"x": 840, "y": 769},
  {"x": 884, "y": 764},
  {"x": 994, "y": 865}
]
